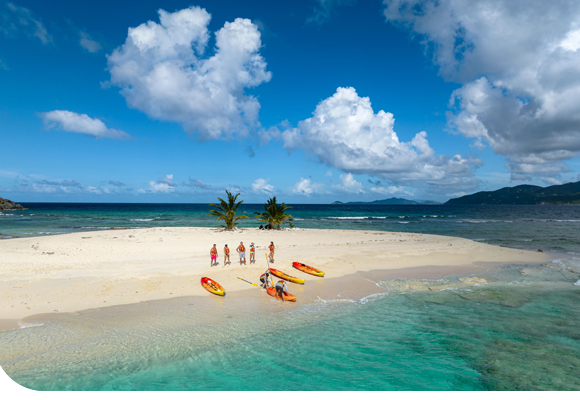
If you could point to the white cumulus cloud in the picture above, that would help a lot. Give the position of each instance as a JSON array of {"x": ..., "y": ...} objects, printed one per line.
[
  {"x": 306, "y": 187},
  {"x": 261, "y": 185},
  {"x": 163, "y": 185},
  {"x": 162, "y": 71},
  {"x": 349, "y": 184},
  {"x": 80, "y": 123},
  {"x": 519, "y": 64},
  {"x": 345, "y": 133}
]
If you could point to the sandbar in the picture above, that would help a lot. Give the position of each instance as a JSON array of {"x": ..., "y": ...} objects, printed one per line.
[{"x": 79, "y": 271}]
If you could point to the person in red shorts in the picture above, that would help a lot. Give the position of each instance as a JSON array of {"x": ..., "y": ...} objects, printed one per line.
[{"x": 213, "y": 253}]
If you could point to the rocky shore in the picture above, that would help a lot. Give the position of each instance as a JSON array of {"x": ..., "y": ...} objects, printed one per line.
[{"x": 6, "y": 205}]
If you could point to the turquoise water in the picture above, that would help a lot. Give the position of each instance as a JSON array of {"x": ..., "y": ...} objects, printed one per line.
[{"x": 518, "y": 331}]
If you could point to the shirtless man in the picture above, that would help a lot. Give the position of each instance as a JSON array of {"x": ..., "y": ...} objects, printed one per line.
[
  {"x": 227, "y": 255},
  {"x": 242, "y": 252}
]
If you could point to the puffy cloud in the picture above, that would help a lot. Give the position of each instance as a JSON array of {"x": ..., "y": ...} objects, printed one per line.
[
  {"x": 80, "y": 123},
  {"x": 161, "y": 71},
  {"x": 519, "y": 63},
  {"x": 88, "y": 43},
  {"x": 345, "y": 133},
  {"x": 20, "y": 19},
  {"x": 306, "y": 187},
  {"x": 163, "y": 185},
  {"x": 261, "y": 185},
  {"x": 349, "y": 184}
]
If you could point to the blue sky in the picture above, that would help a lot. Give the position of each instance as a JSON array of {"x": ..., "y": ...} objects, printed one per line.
[{"x": 313, "y": 101}]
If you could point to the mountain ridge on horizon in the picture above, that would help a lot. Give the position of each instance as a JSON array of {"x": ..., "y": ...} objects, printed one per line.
[{"x": 564, "y": 194}]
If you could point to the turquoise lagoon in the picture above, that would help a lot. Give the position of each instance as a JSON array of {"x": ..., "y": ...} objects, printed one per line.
[{"x": 518, "y": 331}]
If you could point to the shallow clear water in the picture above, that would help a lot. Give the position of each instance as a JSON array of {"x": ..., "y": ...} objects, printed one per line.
[{"x": 518, "y": 331}]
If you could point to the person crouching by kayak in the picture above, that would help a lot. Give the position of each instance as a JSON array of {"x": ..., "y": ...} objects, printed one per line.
[
  {"x": 281, "y": 288},
  {"x": 265, "y": 279}
]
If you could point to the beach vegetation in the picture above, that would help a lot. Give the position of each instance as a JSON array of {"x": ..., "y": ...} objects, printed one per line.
[
  {"x": 226, "y": 211},
  {"x": 274, "y": 214}
]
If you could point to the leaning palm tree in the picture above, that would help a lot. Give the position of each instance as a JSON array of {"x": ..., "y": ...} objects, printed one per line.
[
  {"x": 226, "y": 211},
  {"x": 274, "y": 214}
]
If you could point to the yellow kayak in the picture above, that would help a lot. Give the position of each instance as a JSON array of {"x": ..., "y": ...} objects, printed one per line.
[{"x": 284, "y": 276}]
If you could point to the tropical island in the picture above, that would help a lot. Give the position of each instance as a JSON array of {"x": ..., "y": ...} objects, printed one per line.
[{"x": 568, "y": 193}]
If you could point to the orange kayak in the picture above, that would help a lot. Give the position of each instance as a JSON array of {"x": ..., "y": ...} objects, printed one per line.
[
  {"x": 212, "y": 286},
  {"x": 287, "y": 296},
  {"x": 307, "y": 269},
  {"x": 284, "y": 276}
]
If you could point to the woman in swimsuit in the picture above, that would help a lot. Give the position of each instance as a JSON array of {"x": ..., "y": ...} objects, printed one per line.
[
  {"x": 272, "y": 248},
  {"x": 252, "y": 254},
  {"x": 213, "y": 253}
]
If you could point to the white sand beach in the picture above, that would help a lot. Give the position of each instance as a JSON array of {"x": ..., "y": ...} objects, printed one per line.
[{"x": 78, "y": 271}]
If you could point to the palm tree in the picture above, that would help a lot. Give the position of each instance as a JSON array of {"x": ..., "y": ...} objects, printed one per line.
[
  {"x": 226, "y": 211},
  {"x": 274, "y": 214}
]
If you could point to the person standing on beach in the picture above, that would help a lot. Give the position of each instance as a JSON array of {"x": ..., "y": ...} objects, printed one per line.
[
  {"x": 227, "y": 255},
  {"x": 213, "y": 253},
  {"x": 252, "y": 254},
  {"x": 272, "y": 248},
  {"x": 242, "y": 252}
]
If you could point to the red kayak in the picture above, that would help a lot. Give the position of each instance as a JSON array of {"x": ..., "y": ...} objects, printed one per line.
[
  {"x": 307, "y": 269},
  {"x": 212, "y": 286}
]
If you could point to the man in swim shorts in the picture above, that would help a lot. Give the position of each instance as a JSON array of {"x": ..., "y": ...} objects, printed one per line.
[
  {"x": 272, "y": 248},
  {"x": 242, "y": 252},
  {"x": 227, "y": 255},
  {"x": 213, "y": 253},
  {"x": 281, "y": 288}
]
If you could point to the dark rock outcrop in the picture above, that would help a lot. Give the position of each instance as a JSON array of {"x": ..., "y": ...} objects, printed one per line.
[{"x": 6, "y": 205}]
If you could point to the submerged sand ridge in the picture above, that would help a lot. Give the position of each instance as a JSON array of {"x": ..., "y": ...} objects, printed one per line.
[{"x": 85, "y": 270}]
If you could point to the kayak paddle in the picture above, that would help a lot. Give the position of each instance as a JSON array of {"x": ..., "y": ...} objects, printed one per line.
[{"x": 255, "y": 284}]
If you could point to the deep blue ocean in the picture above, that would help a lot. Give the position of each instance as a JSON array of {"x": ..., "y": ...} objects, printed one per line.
[{"x": 519, "y": 331}]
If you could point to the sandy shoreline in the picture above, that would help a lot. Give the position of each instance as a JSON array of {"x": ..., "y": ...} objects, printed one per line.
[{"x": 80, "y": 271}]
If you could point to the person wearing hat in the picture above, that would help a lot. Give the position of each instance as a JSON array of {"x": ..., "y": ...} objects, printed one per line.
[
  {"x": 227, "y": 255},
  {"x": 252, "y": 254}
]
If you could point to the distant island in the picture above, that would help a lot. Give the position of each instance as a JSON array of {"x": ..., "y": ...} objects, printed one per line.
[
  {"x": 6, "y": 205},
  {"x": 568, "y": 193},
  {"x": 391, "y": 201}
]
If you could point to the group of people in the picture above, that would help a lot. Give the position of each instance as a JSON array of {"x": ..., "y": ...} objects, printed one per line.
[
  {"x": 280, "y": 286},
  {"x": 241, "y": 249}
]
